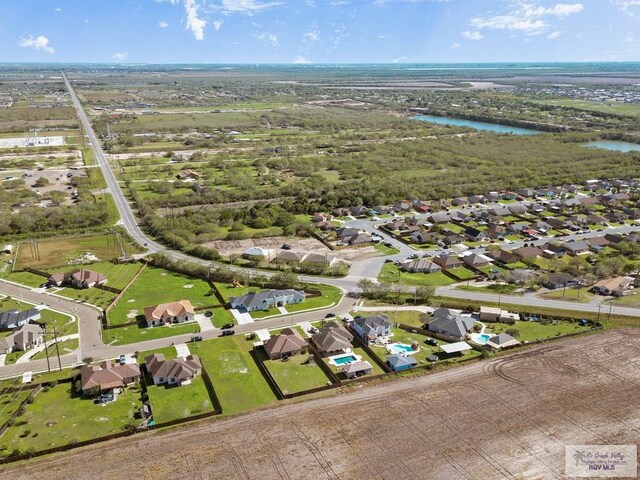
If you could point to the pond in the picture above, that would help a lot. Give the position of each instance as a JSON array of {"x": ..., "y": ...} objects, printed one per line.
[
  {"x": 490, "y": 127},
  {"x": 614, "y": 145}
]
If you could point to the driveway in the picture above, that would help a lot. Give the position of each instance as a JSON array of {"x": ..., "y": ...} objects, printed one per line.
[
  {"x": 205, "y": 323},
  {"x": 182, "y": 349},
  {"x": 241, "y": 318}
]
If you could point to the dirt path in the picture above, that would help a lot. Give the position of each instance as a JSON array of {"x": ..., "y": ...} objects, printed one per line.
[{"x": 501, "y": 419}]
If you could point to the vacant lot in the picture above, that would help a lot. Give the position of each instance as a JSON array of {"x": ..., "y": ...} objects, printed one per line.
[
  {"x": 154, "y": 286},
  {"x": 532, "y": 404},
  {"x": 66, "y": 251},
  {"x": 296, "y": 374},
  {"x": 173, "y": 402}
]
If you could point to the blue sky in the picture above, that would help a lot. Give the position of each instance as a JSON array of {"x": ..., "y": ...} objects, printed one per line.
[{"x": 318, "y": 31}]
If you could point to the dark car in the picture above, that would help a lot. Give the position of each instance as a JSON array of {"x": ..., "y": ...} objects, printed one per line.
[
  {"x": 122, "y": 359},
  {"x": 208, "y": 314},
  {"x": 197, "y": 338},
  {"x": 227, "y": 325},
  {"x": 286, "y": 246},
  {"x": 226, "y": 333},
  {"x": 431, "y": 341},
  {"x": 330, "y": 315}
]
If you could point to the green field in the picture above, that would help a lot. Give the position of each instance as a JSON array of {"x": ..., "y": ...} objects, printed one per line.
[
  {"x": 582, "y": 295},
  {"x": 11, "y": 400},
  {"x": 135, "y": 334},
  {"x": 617, "y": 108},
  {"x": 529, "y": 331},
  {"x": 390, "y": 273},
  {"x": 58, "y": 417},
  {"x": 25, "y": 278},
  {"x": 235, "y": 376},
  {"x": 296, "y": 375},
  {"x": 61, "y": 251},
  {"x": 66, "y": 346},
  {"x": 154, "y": 286},
  {"x": 173, "y": 402}
]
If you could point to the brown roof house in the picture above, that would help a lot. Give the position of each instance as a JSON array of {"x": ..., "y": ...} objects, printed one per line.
[
  {"x": 164, "y": 313},
  {"x": 27, "y": 336},
  {"x": 187, "y": 174},
  {"x": 56, "y": 279},
  {"x": 446, "y": 262},
  {"x": 288, "y": 343},
  {"x": 613, "y": 286},
  {"x": 177, "y": 371},
  {"x": 83, "y": 278},
  {"x": 332, "y": 338},
  {"x": 108, "y": 376}
]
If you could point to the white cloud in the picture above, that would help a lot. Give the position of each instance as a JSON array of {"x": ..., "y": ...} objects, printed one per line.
[
  {"x": 57, "y": 9},
  {"x": 268, "y": 38},
  {"x": 527, "y": 18},
  {"x": 217, "y": 24},
  {"x": 402, "y": 59},
  {"x": 246, "y": 6},
  {"x": 194, "y": 23},
  {"x": 163, "y": 24},
  {"x": 629, "y": 38},
  {"x": 455, "y": 45},
  {"x": 120, "y": 56},
  {"x": 627, "y": 6},
  {"x": 554, "y": 35},
  {"x": 301, "y": 60},
  {"x": 38, "y": 43},
  {"x": 312, "y": 36},
  {"x": 472, "y": 35}
]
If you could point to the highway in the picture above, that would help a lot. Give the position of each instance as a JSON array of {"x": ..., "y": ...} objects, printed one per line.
[{"x": 91, "y": 341}]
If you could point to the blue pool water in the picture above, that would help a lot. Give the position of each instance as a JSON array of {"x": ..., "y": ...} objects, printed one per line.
[
  {"x": 490, "y": 127},
  {"x": 485, "y": 338},
  {"x": 614, "y": 145},
  {"x": 400, "y": 348},
  {"x": 343, "y": 360}
]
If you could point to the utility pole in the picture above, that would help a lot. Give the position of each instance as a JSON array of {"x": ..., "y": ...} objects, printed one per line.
[
  {"x": 46, "y": 349},
  {"x": 55, "y": 339}
]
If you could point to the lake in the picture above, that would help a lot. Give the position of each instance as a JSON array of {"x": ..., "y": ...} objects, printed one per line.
[
  {"x": 490, "y": 127},
  {"x": 614, "y": 145}
]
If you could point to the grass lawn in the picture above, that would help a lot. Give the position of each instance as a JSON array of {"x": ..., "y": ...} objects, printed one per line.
[
  {"x": 497, "y": 288},
  {"x": 135, "y": 334},
  {"x": 66, "y": 346},
  {"x": 462, "y": 273},
  {"x": 384, "y": 250},
  {"x": 57, "y": 417},
  {"x": 389, "y": 273},
  {"x": 10, "y": 401},
  {"x": 295, "y": 375},
  {"x": 173, "y": 402},
  {"x": 154, "y": 286},
  {"x": 582, "y": 295},
  {"x": 529, "y": 331},
  {"x": 238, "y": 383},
  {"x": 168, "y": 352},
  {"x": 93, "y": 296},
  {"x": 118, "y": 274},
  {"x": 406, "y": 317},
  {"x": 61, "y": 251},
  {"x": 26, "y": 278},
  {"x": 227, "y": 290}
]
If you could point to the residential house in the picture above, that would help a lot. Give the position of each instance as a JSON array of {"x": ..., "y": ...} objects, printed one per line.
[
  {"x": 474, "y": 235},
  {"x": 108, "y": 376},
  {"x": 289, "y": 256},
  {"x": 614, "y": 238},
  {"x": 476, "y": 199},
  {"x": 595, "y": 219},
  {"x": 257, "y": 252},
  {"x": 560, "y": 280},
  {"x": 359, "y": 211},
  {"x": 447, "y": 322},
  {"x": 420, "y": 265},
  {"x": 451, "y": 238},
  {"x": 289, "y": 342},
  {"x": 526, "y": 192},
  {"x": 187, "y": 174},
  {"x": 333, "y": 338},
  {"x": 446, "y": 262},
  {"x": 370, "y": 329},
  {"x": 492, "y": 196},
  {"x": 83, "y": 278},
  {"x": 399, "y": 363},
  {"x": 27, "y": 336},
  {"x": 495, "y": 231},
  {"x": 527, "y": 252},
  {"x": 56, "y": 279},
  {"x": 15, "y": 318},
  {"x": 613, "y": 286},
  {"x": 357, "y": 369},
  {"x": 459, "y": 202},
  {"x": 440, "y": 217},
  {"x": 493, "y": 314},
  {"x": 346, "y": 233},
  {"x": 499, "y": 212},
  {"x": 576, "y": 248},
  {"x": 360, "y": 239},
  {"x": 325, "y": 226},
  {"x": 168, "y": 313},
  {"x": 323, "y": 259},
  {"x": 321, "y": 217},
  {"x": 502, "y": 340},
  {"x": 422, "y": 236},
  {"x": 267, "y": 299},
  {"x": 476, "y": 261},
  {"x": 597, "y": 243},
  {"x": 517, "y": 209},
  {"x": 502, "y": 256},
  {"x": 516, "y": 228},
  {"x": 176, "y": 371}
]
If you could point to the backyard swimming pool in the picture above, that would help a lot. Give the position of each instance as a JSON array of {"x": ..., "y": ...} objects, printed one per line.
[
  {"x": 400, "y": 349},
  {"x": 343, "y": 359},
  {"x": 481, "y": 338}
]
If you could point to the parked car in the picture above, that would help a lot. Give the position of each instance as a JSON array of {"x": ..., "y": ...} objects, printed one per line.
[
  {"x": 431, "y": 341},
  {"x": 208, "y": 314},
  {"x": 227, "y": 325},
  {"x": 226, "y": 333},
  {"x": 122, "y": 359},
  {"x": 197, "y": 338},
  {"x": 330, "y": 315},
  {"x": 286, "y": 246},
  {"x": 387, "y": 260}
]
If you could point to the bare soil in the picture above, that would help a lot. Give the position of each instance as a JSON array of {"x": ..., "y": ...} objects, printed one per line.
[
  {"x": 309, "y": 245},
  {"x": 509, "y": 417}
]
